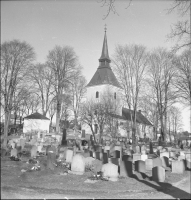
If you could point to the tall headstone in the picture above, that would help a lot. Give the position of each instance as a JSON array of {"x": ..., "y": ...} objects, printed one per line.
[
  {"x": 116, "y": 154},
  {"x": 69, "y": 156},
  {"x": 140, "y": 166},
  {"x": 126, "y": 168},
  {"x": 64, "y": 141},
  {"x": 178, "y": 167},
  {"x": 151, "y": 147},
  {"x": 137, "y": 149},
  {"x": 83, "y": 133},
  {"x": 157, "y": 162},
  {"x": 127, "y": 158},
  {"x": 149, "y": 164},
  {"x": 158, "y": 174},
  {"x": 105, "y": 158},
  {"x": 34, "y": 151},
  {"x": 136, "y": 156},
  {"x": 14, "y": 152},
  {"x": 165, "y": 161},
  {"x": 115, "y": 161}
]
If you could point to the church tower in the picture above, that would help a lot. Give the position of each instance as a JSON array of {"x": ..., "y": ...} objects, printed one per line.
[{"x": 104, "y": 79}]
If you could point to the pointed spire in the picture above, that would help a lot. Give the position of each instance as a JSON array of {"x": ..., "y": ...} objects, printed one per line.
[{"x": 105, "y": 55}]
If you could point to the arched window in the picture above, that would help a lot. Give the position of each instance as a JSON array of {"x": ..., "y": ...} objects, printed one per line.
[
  {"x": 97, "y": 94},
  {"x": 115, "y": 95}
]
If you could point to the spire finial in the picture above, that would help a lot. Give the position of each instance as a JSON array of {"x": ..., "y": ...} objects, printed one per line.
[{"x": 105, "y": 28}]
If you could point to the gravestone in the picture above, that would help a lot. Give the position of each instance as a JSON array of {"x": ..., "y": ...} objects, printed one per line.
[
  {"x": 112, "y": 149},
  {"x": 22, "y": 142},
  {"x": 143, "y": 152},
  {"x": 136, "y": 156},
  {"x": 188, "y": 164},
  {"x": 14, "y": 152},
  {"x": 181, "y": 158},
  {"x": 157, "y": 162},
  {"x": 34, "y": 151},
  {"x": 51, "y": 160},
  {"x": 107, "y": 148},
  {"x": 172, "y": 154},
  {"x": 105, "y": 158},
  {"x": 99, "y": 155},
  {"x": 114, "y": 161},
  {"x": 64, "y": 141},
  {"x": 126, "y": 168},
  {"x": 91, "y": 153},
  {"x": 116, "y": 154},
  {"x": 159, "y": 148},
  {"x": 144, "y": 157},
  {"x": 166, "y": 154},
  {"x": 151, "y": 148},
  {"x": 143, "y": 148},
  {"x": 188, "y": 156},
  {"x": 158, "y": 174},
  {"x": 110, "y": 171},
  {"x": 137, "y": 149},
  {"x": 182, "y": 153},
  {"x": 178, "y": 167},
  {"x": 165, "y": 161},
  {"x": 149, "y": 164},
  {"x": 78, "y": 164},
  {"x": 69, "y": 155},
  {"x": 126, "y": 158},
  {"x": 140, "y": 166},
  {"x": 83, "y": 134}
]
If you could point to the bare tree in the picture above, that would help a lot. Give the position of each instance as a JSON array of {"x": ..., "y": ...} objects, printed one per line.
[
  {"x": 182, "y": 29},
  {"x": 174, "y": 121},
  {"x": 77, "y": 93},
  {"x": 110, "y": 4},
  {"x": 161, "y": 73},
  {"x": 100, "y": 113},
  {"x": 42, "y": 76},
  {"x": 16, "y": 57},
  {"x": 129, "y": 64},
  {"x": 63, "y": 62},
  {"x": 183, "y": 79}
]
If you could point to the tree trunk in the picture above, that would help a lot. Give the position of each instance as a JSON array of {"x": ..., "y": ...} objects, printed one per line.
[
  {"x": 6, "y": 128},
  {"x": 58, "y": 117}
]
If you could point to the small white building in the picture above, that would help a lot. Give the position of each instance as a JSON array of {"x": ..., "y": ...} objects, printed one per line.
[{"x": 36, "y": 122}]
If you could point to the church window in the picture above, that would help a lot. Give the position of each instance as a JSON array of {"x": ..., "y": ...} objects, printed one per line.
[
  {"x": 115, "y": 95},
  {"x": 97, "y": 94}
]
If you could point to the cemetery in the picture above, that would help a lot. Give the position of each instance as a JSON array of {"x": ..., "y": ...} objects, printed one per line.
[{"x": 85, "y": 162}]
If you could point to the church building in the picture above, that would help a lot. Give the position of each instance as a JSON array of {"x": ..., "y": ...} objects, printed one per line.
[{"x": 104, "y": 86}]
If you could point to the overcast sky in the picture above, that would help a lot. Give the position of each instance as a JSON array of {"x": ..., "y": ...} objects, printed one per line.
[{"x": 80, "y": 24}]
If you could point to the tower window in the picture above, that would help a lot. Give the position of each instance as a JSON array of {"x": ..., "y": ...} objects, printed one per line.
[
  {"x": 115, "y": 95},
  {"x": 97, "y": 94}
]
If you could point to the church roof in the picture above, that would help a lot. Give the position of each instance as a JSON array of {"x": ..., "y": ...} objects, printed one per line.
[
  {"x": 36, "y": 116},
  {"x": 104, "y": 73},
  {"x": 140, "y": 118}
]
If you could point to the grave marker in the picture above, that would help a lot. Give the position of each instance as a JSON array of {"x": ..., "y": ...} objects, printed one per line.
[
  {"x": 158, "y": 174},
  {"x": 78, "y": 164},
  {"x": 149, "y": 164},
  {"x": 140, "y": 166},
  {"x": 178, "y": 167},
  {"x": 126, "y": 169},
  {"x": 165, "y": 161},
  {"x": 166, "y": 154},
  {"x": 144, "y": 157},
  {"x": 157, "y": 162},
  {"x": 136, "y": 157}
]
